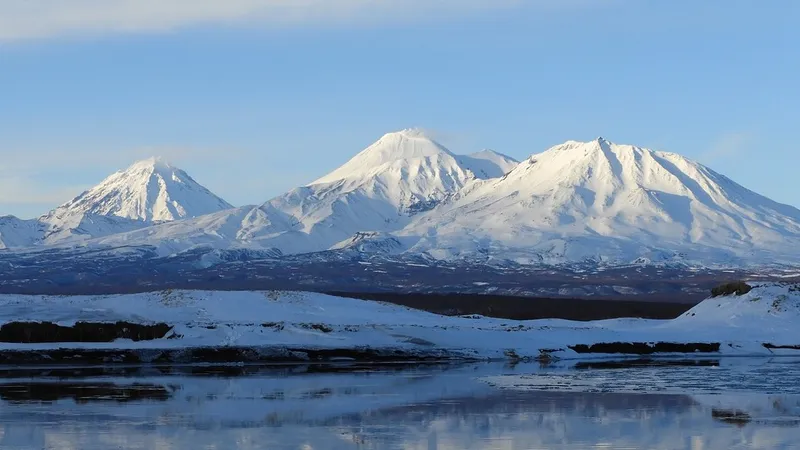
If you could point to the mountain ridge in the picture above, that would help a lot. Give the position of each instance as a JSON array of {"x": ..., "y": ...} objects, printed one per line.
[
  {"x": 598, "y": 191},
  {"x": 407, "y": 194},
  {"x": 401, "y": 174}
]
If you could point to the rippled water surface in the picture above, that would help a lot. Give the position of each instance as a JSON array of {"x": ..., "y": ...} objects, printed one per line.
[{"x": 733, "y": 403}]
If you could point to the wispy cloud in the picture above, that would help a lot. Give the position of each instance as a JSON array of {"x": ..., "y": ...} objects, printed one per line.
[
  {"x": 24, "y": 191},
  {"x": 47, "y": 160},
  {"x": 728, "y": 145},
  {"x": 28, "y": 197},
  {"x": 31, "y": 19}
]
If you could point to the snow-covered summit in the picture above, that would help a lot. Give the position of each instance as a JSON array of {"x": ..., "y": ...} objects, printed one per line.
[
  {"x": 405, "y": 145},
  {"x": 151, "y": 190},
  {"x": 378, "y": 190},
  {"x": 603, "y": 201}
]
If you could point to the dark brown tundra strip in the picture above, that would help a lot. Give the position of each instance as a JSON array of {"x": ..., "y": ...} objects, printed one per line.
[
  {"x": 646, "y": 348},
  {"x": 769, "y": 346},
  {"x": 47, "y": 332}
]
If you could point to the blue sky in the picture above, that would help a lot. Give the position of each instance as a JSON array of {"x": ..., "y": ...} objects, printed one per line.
[{"x": 253, "y": 97}]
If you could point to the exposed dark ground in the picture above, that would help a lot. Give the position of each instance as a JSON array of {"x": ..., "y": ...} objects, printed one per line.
[
  {"x": 88, "y": 271},
  {"x": 527, "y": 308},
  {"x": 578, "y": 292}
]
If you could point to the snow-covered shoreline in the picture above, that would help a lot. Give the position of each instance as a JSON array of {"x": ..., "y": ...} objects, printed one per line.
[{"x": 298, "y": 326}]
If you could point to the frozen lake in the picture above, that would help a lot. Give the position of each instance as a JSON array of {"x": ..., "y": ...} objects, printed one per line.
[{"x": 704, "y": 404}]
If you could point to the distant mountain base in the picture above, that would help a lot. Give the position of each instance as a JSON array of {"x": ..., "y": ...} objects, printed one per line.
[{"x": 141, "y": 269}]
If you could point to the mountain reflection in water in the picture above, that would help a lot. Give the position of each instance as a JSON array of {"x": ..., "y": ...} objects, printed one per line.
[{"x": 736, "y": 403}]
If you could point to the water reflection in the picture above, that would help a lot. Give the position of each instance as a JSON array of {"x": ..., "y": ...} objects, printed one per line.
[{"x": 728, "y": 404}]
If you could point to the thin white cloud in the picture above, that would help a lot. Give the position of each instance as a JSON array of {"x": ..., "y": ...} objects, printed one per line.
[
  {"x": 26, "y": 197},
  {"x": 727, "y": 146},
  {"x": 46, "y": 160},
  {"x": 32, "y": 19}
]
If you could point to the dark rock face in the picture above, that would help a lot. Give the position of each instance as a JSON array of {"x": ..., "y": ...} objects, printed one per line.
[
  {"x": 646, "y": 348},
  {"x": 40, "y": 332},
  {"x": 737, "y": 288}
]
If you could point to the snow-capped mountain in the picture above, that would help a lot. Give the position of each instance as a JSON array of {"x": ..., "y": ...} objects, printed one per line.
[
  {"x": 408, "y": 194},
  {"x": 602, "y": 201},
  {"x": 379, "y": 190},
  {"x": 151, "y": 190},
  {"x": 147, "y": 192}
]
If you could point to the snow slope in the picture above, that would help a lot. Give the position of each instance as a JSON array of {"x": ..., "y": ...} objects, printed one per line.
[
  {"x": 488, "y": 163},
  {"x": 227, "y": 229},
  {"x": 740, "y": 325},
  {"x": 379, "y": 190},
  {"x": 16, "y": 232},
  {"x": 607, "y": 202}
]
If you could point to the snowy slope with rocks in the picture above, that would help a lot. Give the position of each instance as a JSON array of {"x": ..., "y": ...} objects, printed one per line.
[
  {"x": 378, "y": 191},
  {"x": 607, "y": 202}
]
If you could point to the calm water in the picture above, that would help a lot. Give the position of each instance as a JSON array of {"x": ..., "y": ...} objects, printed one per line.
[{"x": 735, "y": 403}]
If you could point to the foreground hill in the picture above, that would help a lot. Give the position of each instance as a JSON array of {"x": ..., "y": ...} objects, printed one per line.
[{"x": 190, "y": 326}]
